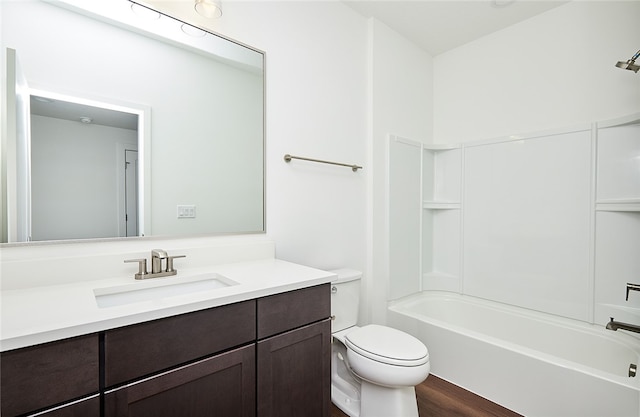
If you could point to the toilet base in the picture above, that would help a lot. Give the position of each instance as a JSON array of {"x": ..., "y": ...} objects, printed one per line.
[
  {"x": 379, "y": 401},
  {"x": 345, "y": 388},
  {"x": 360, "y": 398},
  {"x": 347, "y": 404}
]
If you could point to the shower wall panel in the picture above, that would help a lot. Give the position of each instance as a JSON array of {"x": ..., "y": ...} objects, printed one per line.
[{"x": 527, "y": 223}]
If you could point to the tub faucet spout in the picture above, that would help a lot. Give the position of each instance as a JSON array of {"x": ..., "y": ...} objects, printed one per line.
[{"x": 615, "y": 325}]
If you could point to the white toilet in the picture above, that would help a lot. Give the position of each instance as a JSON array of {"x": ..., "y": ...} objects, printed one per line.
[{"x": 374, "y": 369}]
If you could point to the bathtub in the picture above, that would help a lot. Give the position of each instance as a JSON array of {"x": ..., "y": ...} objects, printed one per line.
[{"x": 533, "y": 363}]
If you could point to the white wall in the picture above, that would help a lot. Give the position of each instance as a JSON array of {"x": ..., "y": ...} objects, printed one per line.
[
  {"x": 551, "y": 71},
  {"x": 401, "y": 100},
  {"x": 316, "y": 107}
]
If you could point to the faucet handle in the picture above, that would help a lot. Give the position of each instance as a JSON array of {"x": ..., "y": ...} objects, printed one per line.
[
  {"x": 632, "y": 287},
  {"x": 142, "y": 267},
  {"x": 170, "y": 261}
]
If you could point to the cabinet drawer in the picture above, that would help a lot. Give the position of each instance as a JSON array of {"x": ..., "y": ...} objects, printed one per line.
[
  {"x": 222, "y": 385},
  {"x": 281, "y": 312},
  {"x": 44, "y": 375},
  {"x": 135, "y": 351}
]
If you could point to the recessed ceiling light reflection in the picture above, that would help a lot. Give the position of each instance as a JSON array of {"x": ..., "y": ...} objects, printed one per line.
[{"x": 211, "y": 9}]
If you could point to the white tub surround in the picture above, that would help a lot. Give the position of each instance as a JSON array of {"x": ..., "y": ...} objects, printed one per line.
[
  {"x": 38, "y": 310},
  {"x": 547, "y": 221},
  {"x": 536, "y": 364}
]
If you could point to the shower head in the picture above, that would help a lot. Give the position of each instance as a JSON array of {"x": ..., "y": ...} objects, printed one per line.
[{"x": 630, "y": 64}]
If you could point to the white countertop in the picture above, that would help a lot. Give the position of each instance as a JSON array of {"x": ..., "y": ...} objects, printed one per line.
[{"x": 42, "y": 314}]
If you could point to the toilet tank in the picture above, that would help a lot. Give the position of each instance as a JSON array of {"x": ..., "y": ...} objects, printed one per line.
[{"x": 345, "y": 299}]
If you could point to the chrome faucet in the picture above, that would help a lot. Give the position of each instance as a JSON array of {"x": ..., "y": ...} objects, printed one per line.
[
  {"x": 158, "y": 267},
  {"x": 615, "y": 325},
  {"x": 157, "y": 256}
]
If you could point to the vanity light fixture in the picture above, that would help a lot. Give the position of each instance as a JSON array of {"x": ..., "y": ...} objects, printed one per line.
[{"x": 211, "y": 9}]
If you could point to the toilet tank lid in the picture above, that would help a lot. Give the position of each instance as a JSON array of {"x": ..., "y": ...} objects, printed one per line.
[{"x": 345, "y": 275}]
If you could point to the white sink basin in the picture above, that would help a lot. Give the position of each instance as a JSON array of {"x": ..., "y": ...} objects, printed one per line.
[{"x": 158, "y": 288}]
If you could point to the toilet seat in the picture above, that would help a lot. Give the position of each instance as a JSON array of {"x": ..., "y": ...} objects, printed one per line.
[{"x": 387, "y": 345}]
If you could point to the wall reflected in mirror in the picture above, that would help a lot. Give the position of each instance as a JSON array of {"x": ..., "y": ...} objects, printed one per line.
[
  {"x": 84, "y": 175},
  {"x": 196, "y": 126}
]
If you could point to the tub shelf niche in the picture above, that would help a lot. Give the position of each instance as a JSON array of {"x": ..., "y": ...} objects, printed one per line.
[
  {"x": 441, "y": 205},
  {"x": 629, "y": 204},
  {"x": 441, "y": 217}
]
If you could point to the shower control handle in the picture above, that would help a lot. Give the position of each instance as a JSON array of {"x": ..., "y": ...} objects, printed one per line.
[{"x": 632, "y": 287}]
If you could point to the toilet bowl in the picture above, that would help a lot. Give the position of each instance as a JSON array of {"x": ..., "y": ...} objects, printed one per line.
[
  {"x": 387, "y": 356},
  {"x": 374, "y": 368}
]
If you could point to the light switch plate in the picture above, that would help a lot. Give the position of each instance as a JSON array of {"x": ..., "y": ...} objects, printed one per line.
[{"x": 186, "y": 211}]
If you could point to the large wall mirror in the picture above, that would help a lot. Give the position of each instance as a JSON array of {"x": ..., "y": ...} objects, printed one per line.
[{"x": 121, "y": 121}]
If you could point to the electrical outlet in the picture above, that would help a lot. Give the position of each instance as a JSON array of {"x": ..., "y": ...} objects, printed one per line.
[{"x": 186, "y": 211}]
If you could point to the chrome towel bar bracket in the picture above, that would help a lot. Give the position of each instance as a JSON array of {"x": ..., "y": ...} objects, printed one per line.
[{"x": 354, "y": 168}]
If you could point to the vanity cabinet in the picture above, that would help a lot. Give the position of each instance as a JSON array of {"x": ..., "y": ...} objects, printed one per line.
[
  {"x": 43, "y": 376},
  {"x": 267, "y": 357},
  {"x": 294, "y": 353}
]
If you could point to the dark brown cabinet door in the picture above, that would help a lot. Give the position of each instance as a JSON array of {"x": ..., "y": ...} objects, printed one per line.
[
  {"x": 294, "y": 373},
  {"x": 223, "y": 385},
  {"x": 41, "y": 376}
]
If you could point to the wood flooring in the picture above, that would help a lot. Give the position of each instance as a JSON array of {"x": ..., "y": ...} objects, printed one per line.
[{"x": 439, "y": 398}]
